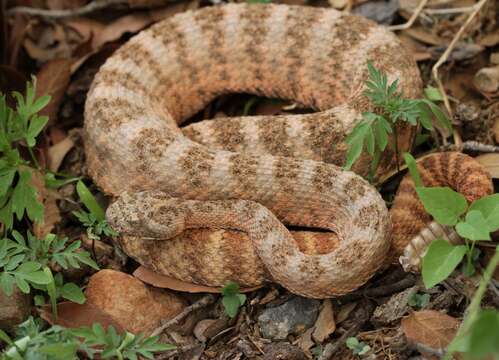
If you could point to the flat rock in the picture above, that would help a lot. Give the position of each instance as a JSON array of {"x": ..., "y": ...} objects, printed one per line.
[
  {"x": 292, "y": 317},
  {"x": 138, "y": 308},
  {"x": 14, "y": 309}
]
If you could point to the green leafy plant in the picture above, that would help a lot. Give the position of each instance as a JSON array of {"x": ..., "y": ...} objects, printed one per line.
[
  {"x": 419, "y": 300},
  {"x": 56, "y": 342},
  {"x": 27, "y": 264},
  {"x": 478, "y": 334},
  {"x": 472, "y": 222},
  {"x": 95, "y": 219},
  {"x": 232, "y": 298},
  {"x": 18, "y": 129},
  {"x": 357, "y": 347},
  {"x": 373, "y": 132}
]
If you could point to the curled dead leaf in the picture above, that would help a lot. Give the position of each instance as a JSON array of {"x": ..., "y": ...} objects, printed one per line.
[
  {"x": 490, "y": 162},
  {"x": 162, "y": 281},
  {"x": 48, "y": 198},
  {"x": 325, "y": 324},
  {"x": 53, "y": 79},
  {"x": 430, "y": 328},
  {"x": 57, "y": 152}
]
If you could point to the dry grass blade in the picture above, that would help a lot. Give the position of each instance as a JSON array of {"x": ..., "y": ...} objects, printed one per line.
[{"x": 413, "y": 18}]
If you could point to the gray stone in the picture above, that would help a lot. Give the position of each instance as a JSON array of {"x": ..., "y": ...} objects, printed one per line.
[{"x": 293, "y": 317}]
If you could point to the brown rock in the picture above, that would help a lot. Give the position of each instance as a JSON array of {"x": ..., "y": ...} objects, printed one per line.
[
  {"x": 131, "y": 303},
  {"x": 14, "y": 309}
]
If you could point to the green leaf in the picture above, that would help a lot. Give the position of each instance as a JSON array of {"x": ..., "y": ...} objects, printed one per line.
[
  {"x": 35, "y": 127},
  {"x": 6, "y": 179},
  {"x": 61, "y": 351},
  {"x": 443, "y": 203},
  {"x": 381, "y": 134},
  {"x": 7, "y": 283},
  {"x": 440, "y": 261},
  {"x": 51, "y": 290},
  {"x": 25, "y": 197},
  {"x": 89, "y": 201},
  {"x": 433, "y": 94},
  {"x": 231, "y": 288},
  {"x": 413, "y": 169},
  {"x": 72, "y": 292},
  {"x": 5, "y": 338},
  {"x": 474, "y": 227},
  {"x": 489, "y": 208},
  {"x": 484, "y": 338},
  {"x": 29, "y": 267},
  {"x": 231, "y": 304}
]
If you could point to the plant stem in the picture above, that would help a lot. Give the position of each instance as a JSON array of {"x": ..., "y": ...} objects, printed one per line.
[
  {"x": 33, "y": 158},
  {"x": 395, "y": 134},
  {"x": 474, "y": 307}
]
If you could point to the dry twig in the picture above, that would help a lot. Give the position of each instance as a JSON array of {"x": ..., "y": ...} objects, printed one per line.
[
  {"x": 413, "y": 18},
  {"x": 445, "y": 57},
  {"x": 66, "y": 13},
  {"x": 472, "y": 146},
  {"x": 204, "y": 301}
]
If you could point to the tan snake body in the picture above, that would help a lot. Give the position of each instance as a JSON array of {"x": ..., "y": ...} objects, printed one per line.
[{"x": 246, "y": 176}]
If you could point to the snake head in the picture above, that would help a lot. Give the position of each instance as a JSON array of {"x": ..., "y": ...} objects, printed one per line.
[{"x": 148, "y": 214}]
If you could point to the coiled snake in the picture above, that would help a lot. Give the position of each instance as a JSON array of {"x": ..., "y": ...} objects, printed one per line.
[{"x": 221, "y": 190}]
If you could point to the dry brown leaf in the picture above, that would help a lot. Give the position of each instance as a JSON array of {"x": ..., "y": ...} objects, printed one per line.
[
  {"x": 420, "y": 34},
  {"x": 53, "y": 79},
  {"x": 491, "y": 163},
  {"x": 419, "y": 51},
  {"x": 305, "y": 341},
  {"x": 48, "y": 41},
  {"x": 162, "y": 281},
  {"x": 57, "y": 152},
  {"x": 72, "y": 315},
  {"x": 430, "y": 328},
  {"x": 51, "y": 214},
  {"x": 345, "y": 311},
  {"x": 324, "y": 325},
  {"x": 489, "y": 40},
  {"x": 495, "y": 129}
]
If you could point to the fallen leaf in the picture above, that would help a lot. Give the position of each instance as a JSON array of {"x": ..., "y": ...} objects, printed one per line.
[
  {"x": 419, "y": 51},
  {"x": 324, "y": 325},
  {"x": 305, "y": 341},
  {"x": 162, "y": 281},
  {"x": 495, "y": 129},
  {"x": 345, "y": 311},
  {"x": 489, "y": 40},
  {"x": 72, "y": 315},
  {"x": 53, "y": 79},
  {"x": 57, "y": 152},
  {"x": 420, "y": 34},
  {"x": 48, "y": 198},
  {"x": 430, "y": 328},
  {"x": 490, "y": 162}
]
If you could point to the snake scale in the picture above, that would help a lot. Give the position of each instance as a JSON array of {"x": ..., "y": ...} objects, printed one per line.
[{"x": 206, "y": 203}]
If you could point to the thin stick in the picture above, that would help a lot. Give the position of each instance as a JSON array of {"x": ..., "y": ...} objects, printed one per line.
[
  {"x": 448, "y": 51},
  {"x": 449, "y": 11},
  {"x": 204, "y": 301},
  {"x": 66, "y": 13},
  {"x": 413, "y": 18},
  {"x": 472, "y": 146}
]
